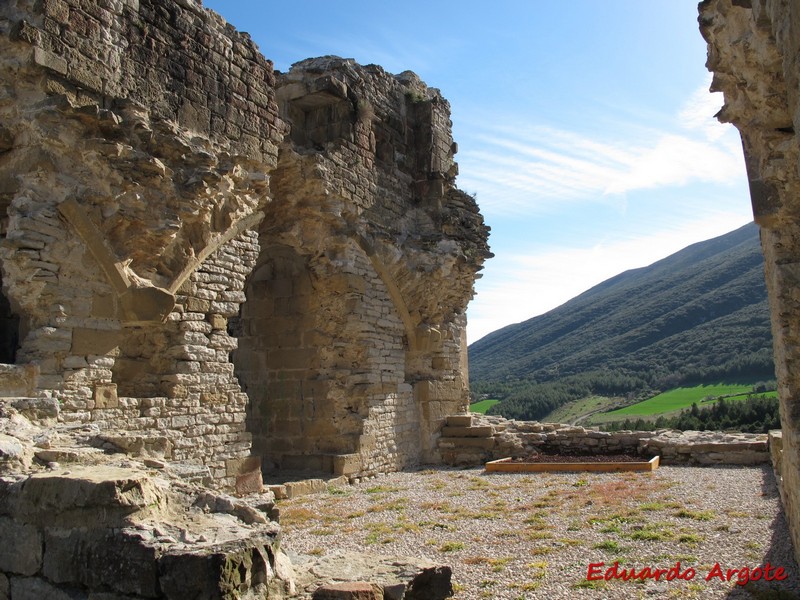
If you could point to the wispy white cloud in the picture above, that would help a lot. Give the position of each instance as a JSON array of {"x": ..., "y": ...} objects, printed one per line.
[
  {"x": 697, "y": 114},
  {"x": 530, "y": 169}
]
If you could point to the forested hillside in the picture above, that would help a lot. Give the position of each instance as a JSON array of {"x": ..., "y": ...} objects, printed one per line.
[{"x": 699, "y": 315}]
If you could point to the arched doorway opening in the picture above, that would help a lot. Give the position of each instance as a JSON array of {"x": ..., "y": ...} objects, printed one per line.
[
  {"x": 290, "y": 361},
  {"x": 9, "y": 330}
]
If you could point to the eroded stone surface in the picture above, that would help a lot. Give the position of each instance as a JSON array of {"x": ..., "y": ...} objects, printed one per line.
[
  {"x": 238, "y": 259},
  {"x": 119, "y": 531},
  {"x": 396, "y": 578},
  {"x": 752, "y": 51}
]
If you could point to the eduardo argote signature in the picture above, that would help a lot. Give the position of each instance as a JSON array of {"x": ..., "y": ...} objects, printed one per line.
[{"x": 598, "y": 571}]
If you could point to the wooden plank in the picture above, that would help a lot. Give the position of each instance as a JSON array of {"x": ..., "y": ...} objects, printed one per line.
[{"x": 504, "y": 465}]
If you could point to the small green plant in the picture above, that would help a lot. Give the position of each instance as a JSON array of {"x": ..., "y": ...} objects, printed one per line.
[
  {"x": 399, "y": 504},
  {"x": 530, "y": 586},
  {"x": 451, "y": 546},
  {"x": 609, "y": 545},
  {"x": 653, "y": 532},
  {"x": 570, "y": 541},
  {"x": 658, "y": 505},
  {"x": 382, "y": 489},
  {"x": 585, "y": 584},
  {"x": 698, "y": 515},
  {"x": 539, "y": 535},
  {"x": 497, "y": 564},
  {"x": 691, "y": 539},
  {"x": 415, "y": 97}
]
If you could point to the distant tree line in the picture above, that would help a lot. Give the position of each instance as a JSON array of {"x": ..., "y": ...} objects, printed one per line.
[
  {"x": 756, "y": 414},
  {"x": 533, "y": 398}
]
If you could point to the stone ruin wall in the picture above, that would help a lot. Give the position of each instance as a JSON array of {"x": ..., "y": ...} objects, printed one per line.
[
  {"x": 752, "y": 51},
  {"x": 212, "y": 261}
]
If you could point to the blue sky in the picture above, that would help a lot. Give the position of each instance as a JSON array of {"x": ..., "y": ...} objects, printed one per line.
[{"x": 585, "y": 128}]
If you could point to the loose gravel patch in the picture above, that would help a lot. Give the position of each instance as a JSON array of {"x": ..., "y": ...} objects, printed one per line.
[{"x": 538, "y": 535}]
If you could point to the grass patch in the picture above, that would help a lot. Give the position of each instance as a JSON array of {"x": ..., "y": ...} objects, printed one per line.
[
  {"x": 382, "y": 489},
  {"x": 451, "y": 546},
  {"x": 697, "y": 515},
  {"x": 591, "y": 585},
  {"x": 682, "y": 397},
  {"x": 609, "y": 545},
  {"x": 482, "y": 406},
  {"x": 497, "y": 564},
  {"x": 658, "y": 505},
  {"x": 690, "y": 539},
  {"x": 653, "y": 532}
]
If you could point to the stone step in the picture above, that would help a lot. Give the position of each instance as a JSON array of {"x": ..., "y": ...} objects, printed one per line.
[
  {"x": 483, "y": 431},
  {"x": 466, "y": 442},
  {"x": 459, "y": 420}
]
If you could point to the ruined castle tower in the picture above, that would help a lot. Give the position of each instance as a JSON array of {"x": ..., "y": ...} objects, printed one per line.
[{"x": 221, "y": 264}]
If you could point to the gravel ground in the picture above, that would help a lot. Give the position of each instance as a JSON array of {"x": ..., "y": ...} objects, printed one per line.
[{"x": 513, "y": 536}]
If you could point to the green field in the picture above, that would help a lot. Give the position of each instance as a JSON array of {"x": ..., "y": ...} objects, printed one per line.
[
  {"x": 482, "y": 406},
  {"x": 679, "y": 398}
]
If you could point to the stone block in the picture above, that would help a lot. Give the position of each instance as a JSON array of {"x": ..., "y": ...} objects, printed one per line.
[
  {"x": 94, "y": 341},
  {"x": 37, "y": 408},
  {"x": 480, "y": 431},
  {"x": 103, "y": 307},
  {"x": 90, "y": 497},
  {"x": 218, "y": 321},
  {"x": 239, "y": 466},
  {"x": 484, "y": 443},
  {"x": 101, "y": 559},
  {"x": 305, "y": 487},
  {"x": 214, "y": 573},
  {"x": 346, "y": 464},
  {"x": 351, "y": 590},
  {"x": 105, "y": 395},
  {"x": 249, "y": 483},
  {"x": 50, "y": 61},
  {"x": 18, "y": 380},
  {"x": 35, "y": 588},
  {"x": 21, "y": 551},
  {"x": 279, "y": 491},
  {"x": 198, "y": 305},
  {"x": 432, "y": 583}
]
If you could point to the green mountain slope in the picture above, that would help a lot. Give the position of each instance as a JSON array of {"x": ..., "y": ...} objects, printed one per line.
[{"x": 698, "y": 315}]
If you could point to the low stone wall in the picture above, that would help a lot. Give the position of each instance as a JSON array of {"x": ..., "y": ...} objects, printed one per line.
[{"x": 472, "y": 439}]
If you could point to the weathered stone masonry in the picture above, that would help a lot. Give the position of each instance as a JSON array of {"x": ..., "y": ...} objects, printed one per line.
[
  {"x": 206, "y": 257},
  {"x": 752, "y": 51}
]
